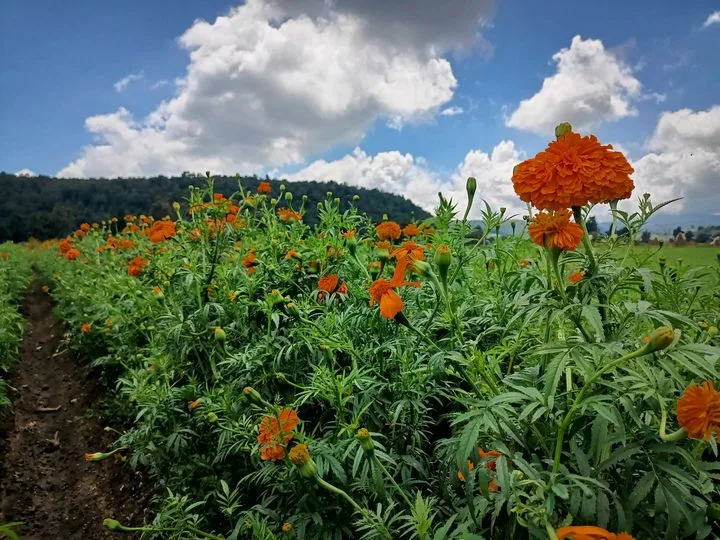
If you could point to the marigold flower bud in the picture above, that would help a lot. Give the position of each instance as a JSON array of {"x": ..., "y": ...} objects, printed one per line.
[
  {"x": 562, "y": 129},
  {"x": 300, "y": 457},
  {"x": 287, "y": 528},
  {"x": 212, "y": 417},
  {"x": 661, "y": 338},
  {"x": 663, "y": 262},
  {"x": 219, "y": 334},
  {"x": 470, "y": 187},
  {"x": 95, "y": 456},
  {"x": 176, "y": 206},
  {"x": 252, "y": 394},
  {"x": 288, "y": 196},
  {"x": 336, "y": 201},
  {"x": 356, "y": 197},
  {"x": 443, "y": 259},
  {"x": 712, "y": 331},
  {"x": 282, "y": 187},
  {"x": 113, "y": 524},
  {"x": 422, "y": 268},
  {"x": 363, "y": 435}
]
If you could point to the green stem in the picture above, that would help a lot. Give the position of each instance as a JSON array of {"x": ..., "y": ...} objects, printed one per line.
[
  {"x": 577, "y": 213},
  {"x": 392, "y": 480},
  {"x": 675, "y": 436}
]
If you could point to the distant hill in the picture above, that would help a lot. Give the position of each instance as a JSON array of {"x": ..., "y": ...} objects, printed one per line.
[{"x": 44, "y": 207}]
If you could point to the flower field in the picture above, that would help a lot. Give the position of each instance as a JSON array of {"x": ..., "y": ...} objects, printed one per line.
[{"x": 385, "y": 380}]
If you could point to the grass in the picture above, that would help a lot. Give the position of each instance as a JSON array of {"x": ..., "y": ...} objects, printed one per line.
[{"x": 689, "y": 255}]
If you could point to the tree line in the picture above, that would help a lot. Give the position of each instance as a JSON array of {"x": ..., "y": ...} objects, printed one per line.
[{"x": 44, "y": 207}]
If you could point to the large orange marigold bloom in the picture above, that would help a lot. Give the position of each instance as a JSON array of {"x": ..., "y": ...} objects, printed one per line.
[
  {"x": 553, "y": 230},
  {"x": 287, "y": 214},
  {"x": 698, "y": 411},
  {"x": 327, "y": 284},
  {"x": 573, "y": 171},
  {"x": 383, "y": 291},
  {"x": 161, "y": 231},
  {"x": 65, "y": 246},
  {"x": 250, "y": 261},
  {"x": 588, "y": 532},
  {"x": 72, "y": 254},
  {"x": 264, "y": 188},
  {"x": 275, "y": 433},
  {"x": 388, "y": 230}
]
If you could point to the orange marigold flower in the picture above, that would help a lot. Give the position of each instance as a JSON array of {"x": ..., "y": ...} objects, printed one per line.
[
  {"x": 129, "y": 218},
  {"x": 553, "y": 230},
  {"x": 292, "y": 254},
  {"x": 275, "y": 433},
  {"x": 79, "y": 233},
  {"x": 349, "y": 234},
  {"x": 388, "y": 230},
  {"x": 327, "y": 284},
  {"x": 383, "y": 291},
  {"x": 137, "y": 266},
  {"x": 250, "y": 261},
  {"x": 573, "y": 171},
  {"x": 85, "y": 328},
  {"x": 410, "y": 230},
  {"x": 587, "y": 532},
  {"x": 409, "y": 250},
  {"x": 576, "y": 277},
  {"x": 72, "y": 254},
  {"x": 525, "y": 263},
  {"x": 264, "y": 188},
  {"x": 698, "y": 411},
  {"x": 85, "y": 227},
  {"x": 4, "y": 255},
  {"x": 161, "y": 231},
  {"x": 383, "y": 246},
  {"x": 287, "y": 214},
  {"x": 65, "y": 246}
]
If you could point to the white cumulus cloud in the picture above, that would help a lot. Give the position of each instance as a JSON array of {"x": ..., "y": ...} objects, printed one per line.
[
  {"x": 123, "y": 83},
  {"x": 713, "y": 18},
  {"x": 683, "y": 161},
  {"x": 410, "y": 176},
  {"x": 26, "y": 173},
  {"x": 590, "y": 86},
  {"x": 274, "y": 81}
]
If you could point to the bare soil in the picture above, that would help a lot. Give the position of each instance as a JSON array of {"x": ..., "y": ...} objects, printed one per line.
[{"x": 44, "y": 480}]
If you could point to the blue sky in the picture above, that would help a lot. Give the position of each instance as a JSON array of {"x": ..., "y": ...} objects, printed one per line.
[{"x": 62, "y": 63}]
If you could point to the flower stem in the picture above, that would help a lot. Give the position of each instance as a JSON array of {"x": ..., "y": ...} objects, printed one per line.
[
  {"x": 577, "y": 213},
  {"x": 577, "y": 403}
]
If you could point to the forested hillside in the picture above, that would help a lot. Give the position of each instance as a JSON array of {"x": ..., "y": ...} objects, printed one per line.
[{"x": 43, "y": 207}]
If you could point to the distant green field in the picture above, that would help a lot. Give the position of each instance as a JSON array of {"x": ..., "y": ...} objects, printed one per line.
[{"x": 690, "y": 255}]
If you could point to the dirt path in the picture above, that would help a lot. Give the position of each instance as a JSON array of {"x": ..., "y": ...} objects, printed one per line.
[{"x": 44, "y": 480}]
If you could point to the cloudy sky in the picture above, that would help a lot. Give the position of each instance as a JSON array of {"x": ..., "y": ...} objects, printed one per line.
[{"x": 409, "y": 96}]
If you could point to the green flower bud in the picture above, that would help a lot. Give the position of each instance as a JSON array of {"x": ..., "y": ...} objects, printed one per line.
[
  {"x": 113, "y": 524},
  {"x": 219, "y": 334},
  {"x": 336, "y": 200},
  {"x": 304, "y": 199},
  {"x": 176, "y": 206},
  {"x": 300, "y": 457},
  {"x": 562, "y": 129},
  {"x": 661, "y": 338},
  {"x": 356, "y": 197},
  {"x": 422, "y": 268},
  {"x": 712, "y": 331},
  {"x": 443, "y": 259},
  {"x": 471, "y": 186},
  {"x": 282, "y": 188},
  {"x": 288, "y": 197},
  {"x": 252, "y": 395},
  {"x": 363, "y": 435},
  {"x": 212, "y": 417},
  {"x": 273, "y": 201}
]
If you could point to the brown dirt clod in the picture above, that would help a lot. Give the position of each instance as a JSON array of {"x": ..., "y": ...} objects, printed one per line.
[{"x": 44, "y": 480}]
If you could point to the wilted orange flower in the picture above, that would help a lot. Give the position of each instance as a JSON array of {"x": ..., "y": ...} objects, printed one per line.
[
  {"x": 576, "y": 277},
  {"x": 349, "y": 234},
  {"x": 232, "y": 295},
  {"x": 387, "y": 230},
  {"x": 129, "y": 218},
  {"x": 286, "y": 214},
  {"x": 264, "y": 188},
  {"x": 525, "y": 263},
  {"x": 383, "y": 246},
  {"x": 136, "y": 266},
  {"x": 698, "y": 411},
  {"x": 161, "y": 231},
  {"x": 275, "y": 433},
  {"x": 588, "y": 532},
  {"x": 292, "y": 254},
  {"x": 72, "y": 254},
  {"x": 383, "y": 291},
  {"x": 410, "y": 230},
  {"x": 250, "y": 261},
  {"x": 192, "y": 405},
  {"x": 85, "y": 328},
  {"x": 85, "y": 227},
  {"x": 573, "y": 171},
  {"x": 553, "y": 230}
]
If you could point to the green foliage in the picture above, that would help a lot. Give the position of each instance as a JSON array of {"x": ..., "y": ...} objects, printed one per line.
[
  {"x": 504, "y": 403},
  {"x": 54, "y": 207}
]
